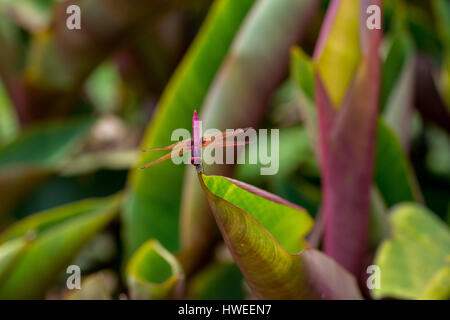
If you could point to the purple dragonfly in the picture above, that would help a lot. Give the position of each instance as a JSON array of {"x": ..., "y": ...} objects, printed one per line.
[{"x": 197, "y": 143}]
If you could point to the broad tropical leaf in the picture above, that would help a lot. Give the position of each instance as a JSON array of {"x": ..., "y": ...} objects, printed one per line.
[
  {"x": 264, "y": 233},
  {"x": 415, "y": 262},
  {"x": 36, "y": 153},
  {"x": 42, "y": 245}
]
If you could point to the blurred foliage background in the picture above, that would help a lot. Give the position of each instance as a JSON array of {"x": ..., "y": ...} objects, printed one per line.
[{"x": 77, "y": 105}]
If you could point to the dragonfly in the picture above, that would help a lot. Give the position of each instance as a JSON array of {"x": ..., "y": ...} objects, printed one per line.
[{"x": 196, "y": 144}]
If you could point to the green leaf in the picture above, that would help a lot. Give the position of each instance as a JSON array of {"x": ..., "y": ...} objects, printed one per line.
[
  {"x": 9, "y": 126},
  {"x": 51, "y": 245},
  {"x": 415, "y": 261},
  {"x": 152, "y": 208},
  {"x": 37, "y": 152},
  {"x": 264, "y": 233},
  {"x": 302, "y": 75},
  {"x": 9, "y": 253},
  {"x": 43, "y": 221},
  {"x": 153, "y": 273},
  {"x": 45, "y": 145},
  {"x": 220, "y": 281},
  {"x": 438, "y": 288},
  {"x": 394, "y": 176},
  {"x": 441, "y": 9},
  {"x": 397, "y": 87},
  {"x": 287, "y": 223},
  {"x": 399, "y": 52},
  {"x": 103, "y": 87}
]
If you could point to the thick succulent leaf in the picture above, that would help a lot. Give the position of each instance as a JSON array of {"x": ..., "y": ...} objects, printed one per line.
[
  {"x": 35, "y": 154},
  {"x": 415, "y": 262},
  {"x": 264, "y": 234},
  {"x": 153, "y": 273},
  {"x": 220, "y": 281},
  {"x": 338, "y": 48},
  {"x": 254, "y": 68},
  {"x": 150, "y": 210},
  {"x": 50, "y": 247}
]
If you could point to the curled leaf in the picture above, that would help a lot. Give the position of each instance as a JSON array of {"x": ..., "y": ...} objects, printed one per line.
[
  {"x": 265, "y": 234},
  {"x": 153, "y": 272}
]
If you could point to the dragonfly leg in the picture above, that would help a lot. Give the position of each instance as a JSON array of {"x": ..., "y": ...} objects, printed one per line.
[{"x": 199, "y": 168}]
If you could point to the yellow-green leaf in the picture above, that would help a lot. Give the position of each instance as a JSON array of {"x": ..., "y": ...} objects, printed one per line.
[
  {"x": 153, "y": 272},
  {"x": 415, "y": 257},
  {"x": 265, "y": 234},
  {"x": 338, "y": 51}
]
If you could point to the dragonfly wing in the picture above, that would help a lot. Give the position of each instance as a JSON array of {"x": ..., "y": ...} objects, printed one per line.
[
  {"x": 219, "y": 138},
  {"x": 178, "y": 149},
  {"x": 173, "y": 146},
  {"x": 226, "y": 144},
  {"x": 163, "y": 158}
]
